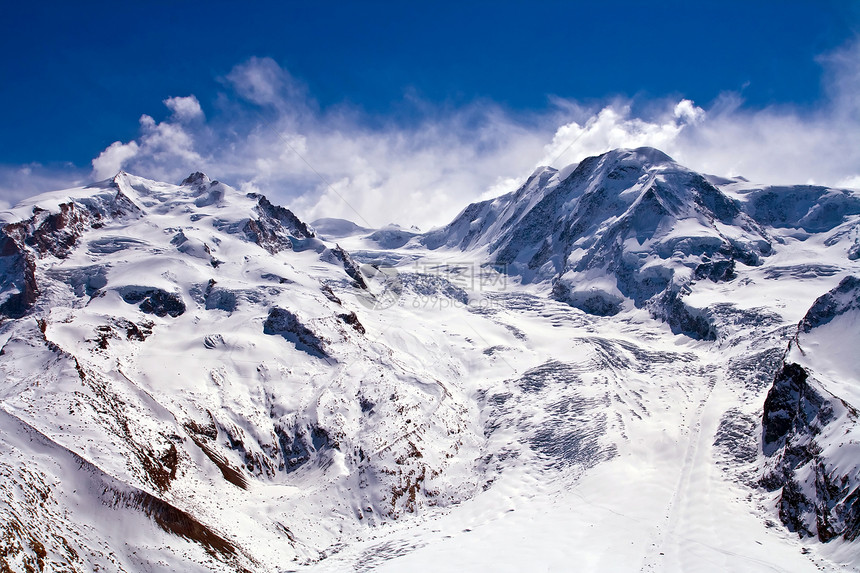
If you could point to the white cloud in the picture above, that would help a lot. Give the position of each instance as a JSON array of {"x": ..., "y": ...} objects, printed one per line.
[
  {"x": 263, "y": 82},
  {"x": 852, "y": 182},
  {"x": 18, "y": 182},
  {"x": 111, "y": 160},
  {"x": 614, "y": 127},
  {"x": 184, "y": 108},
  {"x": 163, "y": 151},
  {"x": 331, "y": 163},
  {"x": 269, "y": 135},
  {"x": 688, "y": 112},
  {"x": 775, "y": 145}
]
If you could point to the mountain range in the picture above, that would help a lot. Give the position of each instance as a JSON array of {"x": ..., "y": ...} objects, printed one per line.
[{"x": 621, "y": 365}]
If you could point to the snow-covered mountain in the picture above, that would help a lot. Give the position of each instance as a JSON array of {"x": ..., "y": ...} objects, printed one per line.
[
  {"x": 634, "y": 227},
  {"x": 622, "y": 365},
  {"x": 184, "y": 354}
]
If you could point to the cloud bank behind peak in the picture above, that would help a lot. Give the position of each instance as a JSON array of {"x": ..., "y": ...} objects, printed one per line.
[{"x": 265, "y": 132}]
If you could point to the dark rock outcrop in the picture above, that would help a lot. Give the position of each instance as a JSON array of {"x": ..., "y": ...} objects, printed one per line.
[
  {"x": 299, "y": 445},
  {"x": 792, "y": 407},
  {"x": 845, "y": 297},
  {"x": 285, "y": 323},
  {"x": 276, "y": 226},
  {"x": 17, "y": 278},
  {"x": 44, "y": 234},
  {"x": 682, "y": 318},
  {"x": 820, "y": 496},
  {"x": 351, "y": 319},
  {"x": 716, "y": 271},
  {"x": 47, "y": 234},
  {"x": 195, "y": 179},
  {"x": 154, "y": 301},
  {"x": 816, "y": 498},
  {"x": 349, "y": 265}
]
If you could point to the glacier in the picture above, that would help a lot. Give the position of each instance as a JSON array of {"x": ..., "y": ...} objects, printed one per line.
[{"x": 622, "y": 365}]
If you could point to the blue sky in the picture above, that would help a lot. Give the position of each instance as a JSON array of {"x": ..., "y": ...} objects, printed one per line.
[{"x": 426, "y": 101}]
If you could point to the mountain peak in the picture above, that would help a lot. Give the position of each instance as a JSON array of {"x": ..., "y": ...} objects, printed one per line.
[
  {"x": 632, "y": 219},
  {"x": 541, "y": 169},
  {"x": 110, "y": 182},
  {"x": 649, "y": 155},
  {"x": 616, "y": 162},
  {"x": 841, "y": 300},
  {"x": 196, "y": 178}
]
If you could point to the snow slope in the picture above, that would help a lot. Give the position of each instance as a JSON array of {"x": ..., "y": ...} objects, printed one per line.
[
  {"x": 194, "y": 379},
  {"x": 201, "y": 352}
]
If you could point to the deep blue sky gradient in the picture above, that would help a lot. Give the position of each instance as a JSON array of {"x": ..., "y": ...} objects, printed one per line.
[{"x": 75, "y": 77}]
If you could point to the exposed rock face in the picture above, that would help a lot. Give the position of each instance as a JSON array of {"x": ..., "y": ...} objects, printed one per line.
[
  {"x": 299, "y": 445},
  {"x": 351, "y": 319},
  {"x": 843, "y": 299},
  {"x": 276, "y": 227},
  {"x": 287, "y": 324},
  {"x": 349, "y": 265},
  {"x": 196, "y": 179},
  {"x": 154, "y": 301},
  {"x": 682, "y": 318},
  {"x": 18, "y": 278},
  {"x": 817, "y": 498},
  {"x": 791, "y": 406},
  {"x": 716, "y": 271},
  {"x": 807, "y": 433},
  {"x": 48, "y": 234}
]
